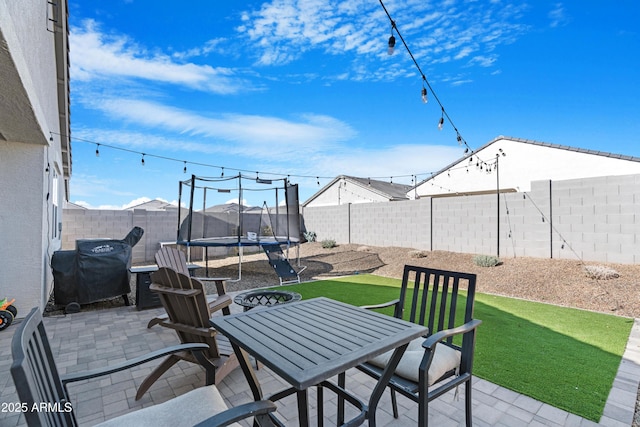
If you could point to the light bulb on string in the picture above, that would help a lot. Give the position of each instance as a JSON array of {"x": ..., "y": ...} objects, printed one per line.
[
  {"x": 392, "y": 40},
  {"x": 424, "y": 95},
  {"x": 97, "y": 150},
  {"x": 142, "y": 160},
  {"x": 318, "y": 181},
  {"x": 221, "y": 172},
  {"x": 441, "y": 121},
  {"x": 184, "y": 170}
]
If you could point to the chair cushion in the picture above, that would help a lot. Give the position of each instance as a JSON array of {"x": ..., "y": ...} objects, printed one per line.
[
  {"x": 444, "y": 360},
  {"x": 185, "y": 410}
]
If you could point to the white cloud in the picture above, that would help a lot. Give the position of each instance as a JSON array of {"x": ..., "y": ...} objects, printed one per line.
[
  {"x": 282, "y": 31},
  {"x": 251, "y": 134},
  {"x": 95, "y": 55},
  {"x": 557, "y": 16},
  {"x": 401, "y": 160}
]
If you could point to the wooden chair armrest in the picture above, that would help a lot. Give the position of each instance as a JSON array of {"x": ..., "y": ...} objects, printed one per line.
[
  {"x": 383, "y": 305},
  {"x": 203, "y": 278},
  {"x": 167, "y": 290},
  {"x": 235, "y": 414},
  {"x": 131, "y": 363},
  {"x": 221, "y": 286},
  {"x": 219, "y": 303},
  {"x": 430, "y": 342}
]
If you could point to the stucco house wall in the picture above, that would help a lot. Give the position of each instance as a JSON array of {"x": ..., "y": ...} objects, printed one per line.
[
  {"x": 344, "y": 190},
  {"x": 34, "y": 146},
  {"x": 521, "y": 162},
  {"x": 341, "y": 194}
]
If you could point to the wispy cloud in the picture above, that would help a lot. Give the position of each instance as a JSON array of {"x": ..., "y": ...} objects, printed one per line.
[
  {"x": 307, "y": 130},
  {"x": 251, "y": 135},
  {"x": 95, "y": 55},
  {"x": 558, "y": 16},
  {"x": 402, "y": 159},
  {"x": 282, "y": 31}
]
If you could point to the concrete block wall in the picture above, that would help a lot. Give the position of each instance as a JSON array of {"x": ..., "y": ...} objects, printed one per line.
[
  {"x": 328, "y": 222},
  {"x": 598, "y": 219},
  {"x": 465, "y": 224},
  {"x": 158, "y": 226},
  {"x": 593, "y": 219},
  {"x": 403, "y": 224}
]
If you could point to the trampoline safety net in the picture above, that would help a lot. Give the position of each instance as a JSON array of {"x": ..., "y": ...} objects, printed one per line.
[{"x": 220, "y": 223}]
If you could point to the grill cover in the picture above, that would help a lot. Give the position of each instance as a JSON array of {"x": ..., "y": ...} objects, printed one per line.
[{"x": 96, "y": 270}]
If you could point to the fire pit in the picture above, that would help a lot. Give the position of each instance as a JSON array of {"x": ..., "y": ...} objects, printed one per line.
[{"x": 267, "y": 298}]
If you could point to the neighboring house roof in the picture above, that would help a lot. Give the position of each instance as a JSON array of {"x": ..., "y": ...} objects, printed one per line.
[
  {"x": 581, "y": 169},
  {"x": 387, "y": 190},
  {"x": 391, "y": 190},
  {"x": 70, "y": 205},
  {"x": 154, "y": 205},
  {"x": 232, "y": 207}
]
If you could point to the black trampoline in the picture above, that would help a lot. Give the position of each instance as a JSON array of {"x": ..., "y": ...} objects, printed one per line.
[{"x": 221, "y": 223}]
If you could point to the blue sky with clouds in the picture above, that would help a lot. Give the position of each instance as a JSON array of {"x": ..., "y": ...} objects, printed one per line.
[{"x": 306, "y": 88}]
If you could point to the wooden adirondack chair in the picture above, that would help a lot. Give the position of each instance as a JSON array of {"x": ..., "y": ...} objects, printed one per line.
[
  {"x": 38, "y": 383},
  {"x": 188, "y": 313},
  {"x": 175, "y": 259}
]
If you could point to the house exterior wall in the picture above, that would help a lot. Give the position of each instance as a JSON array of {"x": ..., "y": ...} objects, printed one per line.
[
  {"x": 23, "y": 253},
  {"x": 592, "y": 219},
  {"x": 522, "y": 164},
  {"x": 343, "y": 193},
  {"x": 31, "y": 167}
]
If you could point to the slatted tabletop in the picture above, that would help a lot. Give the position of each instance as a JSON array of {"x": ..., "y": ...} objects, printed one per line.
[{"x": 309, "y": 341}]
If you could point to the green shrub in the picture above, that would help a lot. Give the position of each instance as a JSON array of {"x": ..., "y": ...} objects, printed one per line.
[
  {"x": 310, "y": 236},
  {"x": 486, "y": 260},
  {"x": 328, "y": 243}
]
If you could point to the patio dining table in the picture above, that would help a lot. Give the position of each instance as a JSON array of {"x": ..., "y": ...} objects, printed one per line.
[{"x": 308, "y": 342}]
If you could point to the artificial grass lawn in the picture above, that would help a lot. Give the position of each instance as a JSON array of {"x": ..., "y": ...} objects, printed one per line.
[{"x": 565, "y": 357}]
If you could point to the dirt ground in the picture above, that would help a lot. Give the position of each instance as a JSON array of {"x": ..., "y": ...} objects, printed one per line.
[{"x": 555, "y": 281}]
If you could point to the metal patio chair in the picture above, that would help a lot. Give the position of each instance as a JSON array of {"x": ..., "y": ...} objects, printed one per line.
[
  {"x": 39, "y": 385},
  {"x": 443, "y": 360}
]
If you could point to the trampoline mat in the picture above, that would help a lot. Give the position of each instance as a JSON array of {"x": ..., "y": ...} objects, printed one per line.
[{"x": 231, "y": 241}]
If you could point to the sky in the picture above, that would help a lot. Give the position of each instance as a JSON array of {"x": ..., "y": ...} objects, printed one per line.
[{"x": 306, "y": 89}]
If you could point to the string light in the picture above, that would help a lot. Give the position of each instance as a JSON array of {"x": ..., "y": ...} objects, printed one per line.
[
  {"x": 392, "y": 40},
  {"x": 97, "y": 150},
  {"x": 184, "y": 170},
  {"x": 412, "y": 176},
  {"x": 394, "y": 27},
  {"x": 424, "y": 95}
]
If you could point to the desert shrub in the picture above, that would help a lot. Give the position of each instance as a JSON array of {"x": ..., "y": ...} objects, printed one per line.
[
  {"x": 418, "y": 254},
  {"x": 328, "y": 243},
  {"x": 600, "y": 272},
  {"x": 310, "y": 236},
  {"x": 486, "y": 260}
]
